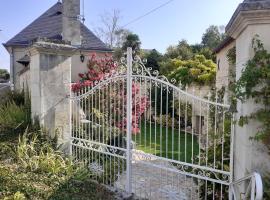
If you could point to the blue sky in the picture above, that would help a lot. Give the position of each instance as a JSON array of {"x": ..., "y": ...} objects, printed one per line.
[{"x": 181, "y": 19}]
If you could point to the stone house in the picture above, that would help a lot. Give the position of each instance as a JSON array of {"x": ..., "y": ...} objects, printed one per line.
[
  {"x": 223, "y": 64},
  {"x": 47, "y": 57},
  {"x": 56, "y": 24},
  {"x": 251, "y": 18}
]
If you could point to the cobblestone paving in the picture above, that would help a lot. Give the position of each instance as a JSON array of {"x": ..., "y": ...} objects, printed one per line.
[{"x": 152, "y": 182}]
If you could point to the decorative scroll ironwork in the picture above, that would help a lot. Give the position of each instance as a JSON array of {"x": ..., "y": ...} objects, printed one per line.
[
  {"x": 203, "y": 173},
  {"x": 253, "y": 187},
  {"x": 99, "y": 147},
  {"x": 195, "y": 130}
]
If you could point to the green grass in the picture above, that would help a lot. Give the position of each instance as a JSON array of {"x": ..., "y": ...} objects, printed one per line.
[{"x": 166, "y": 143}]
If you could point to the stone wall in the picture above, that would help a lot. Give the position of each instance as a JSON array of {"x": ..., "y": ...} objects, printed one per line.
[
  {"x": 250, "y": 155},
  {"x": 222, "y": 76},
  {"x": 24, "y": 79},
  {"x": 16, "y": 54},
  {"x": 251, "y": 18},
  {"x": 50, "y": 72}
]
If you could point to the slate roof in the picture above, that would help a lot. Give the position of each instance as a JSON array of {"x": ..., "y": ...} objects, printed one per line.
[
  {"x": 49, "y": 25},
  {"x": 228, "y": 40}
]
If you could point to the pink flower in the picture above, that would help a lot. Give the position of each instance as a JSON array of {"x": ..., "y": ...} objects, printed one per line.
[{"x": 81, "y": 75}]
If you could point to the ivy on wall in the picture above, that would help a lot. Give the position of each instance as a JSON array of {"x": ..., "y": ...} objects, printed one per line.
[
  {"x": 254, "y": 83},
  {"x": 231, "y": 57}
]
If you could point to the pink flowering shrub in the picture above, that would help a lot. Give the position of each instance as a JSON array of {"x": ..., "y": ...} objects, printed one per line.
[{"x": 98, "y": 70}]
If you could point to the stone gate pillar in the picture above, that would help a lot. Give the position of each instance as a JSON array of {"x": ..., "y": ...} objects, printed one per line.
[
  {"x": 50, "y": 72},
  {"x": 251, "y": 18}
]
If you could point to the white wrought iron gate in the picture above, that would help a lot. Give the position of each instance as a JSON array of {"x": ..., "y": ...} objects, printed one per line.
[{"x": 137, "y": 131}]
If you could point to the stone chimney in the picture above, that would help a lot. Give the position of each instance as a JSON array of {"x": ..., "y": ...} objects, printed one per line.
[{"x": 71, "y": 23}]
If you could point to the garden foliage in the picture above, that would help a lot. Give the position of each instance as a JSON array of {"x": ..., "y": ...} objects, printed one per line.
[
  {"x": 31, "y": 167},
  {"x": 198, "y": 70},
  {"x": 254, "y": 83},
  {"x": 98, "y": 70}
]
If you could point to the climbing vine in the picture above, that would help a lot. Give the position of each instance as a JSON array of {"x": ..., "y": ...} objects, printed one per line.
[
  {"x": 231, "y": 57},
  {"x": 254, "y": 84}
]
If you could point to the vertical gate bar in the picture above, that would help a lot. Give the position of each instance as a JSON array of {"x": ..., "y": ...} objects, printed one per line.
[
  {"x": 155, "y": 118},
  {"x": 70, "y": 118},
  {"x": 231, "y": 155},
  {"x": 252, "y": 190},
  {"x": 137, "y": 116},
  {"x": 145, "y": 112},
  {"x": 104, "y": 156},
  {"x": 215, "y": 142},
  {"x": 114, "y": 123},
  {"x": 150, "y": 114},
  {"x": 110, "y": 125},
  {"x": 186, "y": 113},
  {"x": 99, "y": 128},
  {"x": 215, "y": 131},
  {"x": 123, "y": 87},
  {"x": 200, "y": 128},
  {"x": 222, "y": 143},
  {"x": 179, "y": 126},
  {"x": 192, "y": 126},
  {"x": 71, "y": 124},
  {"x": 129, "y": 117},
  {"x": 118, "y": 119},
  {"x": 167, "y": 105},
  {"x": 135, "y": 109},
  {"x": 140, "y": 100},
  {"x": 207, "y": 130},
  {"x": 173, "y": 124},
  {"x": 160, "y": 120}
]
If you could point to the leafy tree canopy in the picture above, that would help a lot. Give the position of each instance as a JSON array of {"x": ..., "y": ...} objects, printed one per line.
[
  {"x": 132, "y": 40},
  {"x": 128, "y": 39},
  {"x": 153, "y": 59},
  {"x": 185, "y": 51},
  {"x": 4, "y": 75},
  {"x": 181, "y": 51},
  {"x": 199, "y": 70},
  {"x": 212, "y": 37}
]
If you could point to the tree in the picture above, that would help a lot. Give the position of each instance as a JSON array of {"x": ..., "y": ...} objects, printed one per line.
[
  {"x": 171, "y": 52},
  {"x": 4, "y": 75},
  {"x": 110, "y": 30},
  {"x": 182, "y": 51},
  {"x": 132, "y": 40},
  {"x": 198, "y": 70},
  {"x": 199, "y": 49},
  {"x": 128, "y": 39},
  {"x": 212, "y": 37},
  {"x": 153, "y": 60}
]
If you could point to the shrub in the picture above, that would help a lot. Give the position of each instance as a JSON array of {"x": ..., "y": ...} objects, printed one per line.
[
  {"x": 197, "y": 70},
  {"x": 13, "y": 117},
  {"x": 19, "y": 97},
  {"x": 42, "y": 157},
  {"x": 35, "y": 169}
]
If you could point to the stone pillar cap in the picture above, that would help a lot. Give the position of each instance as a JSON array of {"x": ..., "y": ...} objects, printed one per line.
[
  {"x": 248, "y": 12},
  {"x": 52, "y": 47}
]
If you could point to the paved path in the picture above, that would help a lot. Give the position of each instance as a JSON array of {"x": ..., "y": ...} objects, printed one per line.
[{"x": 149, "y": 181}]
